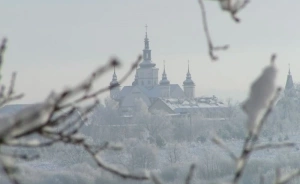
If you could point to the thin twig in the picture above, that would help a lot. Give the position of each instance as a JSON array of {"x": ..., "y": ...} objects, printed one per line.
[
  {"x": 288, "y": 177},
  {"x": 218, "y": 141},
  {"x": 112, "y": 170},
  {"x": 190, "y": 174},
  {"x": 273, "y": 146},
  {"x": 211, "y": 47}
]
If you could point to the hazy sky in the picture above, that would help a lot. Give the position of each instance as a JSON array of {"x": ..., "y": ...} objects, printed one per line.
[{"x": 53, "y": 44}]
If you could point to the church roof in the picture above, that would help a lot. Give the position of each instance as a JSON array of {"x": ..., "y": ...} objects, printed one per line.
[
  {"x": 195, "y": 105},
  {"x": 153, "y": 92}
]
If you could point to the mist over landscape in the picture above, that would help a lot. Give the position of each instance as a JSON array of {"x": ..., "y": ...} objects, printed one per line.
[{"x": 149, "y": 92}]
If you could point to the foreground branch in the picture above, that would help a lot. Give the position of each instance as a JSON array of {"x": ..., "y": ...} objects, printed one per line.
[{"x": 211, "y": 47}]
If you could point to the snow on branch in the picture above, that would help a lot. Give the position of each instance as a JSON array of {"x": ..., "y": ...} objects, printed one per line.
[
  {"x": 262, "y": 92},
  {"x": 263, "y": 95}
]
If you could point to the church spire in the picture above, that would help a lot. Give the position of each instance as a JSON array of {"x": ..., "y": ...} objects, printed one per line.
[
  {"x": 188, "y": 80},
  {"x": 164, "y": 79},
  {"x": 146, "y": 31},
  {"x": 114, "y": 86},
  {"x": 165, "y": 67},
  {"x": 147, "y": 63},
  {"x": 189, "y": 85},
  {"x": 114, "y": 82},
  {"x": 189, "y": 67},
  {"x": 146, "y": 38},
  {"x": 289, "y": 81}
]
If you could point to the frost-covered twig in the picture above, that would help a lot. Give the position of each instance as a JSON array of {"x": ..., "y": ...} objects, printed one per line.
[
  {"x": 250, "y": 141},
  {"x": 123, "y": 174},
  {"x": 10, "y": 95},
  {"x": 7, "y": 167},
  {"x": 273, "y": 146},
  {"x": 286, "y": 178},
  {"x": 2, "y": 49},
  {"x": 155, "y": 179},
  {"x": 259, "y": 105},
  {"x": 211, "y": 47},
  {"x": 190, "y": 174},
  {"x": 100, "y": 91},
  {"x": 233, "y": 7},
  {"x": 218, "y": 141}
]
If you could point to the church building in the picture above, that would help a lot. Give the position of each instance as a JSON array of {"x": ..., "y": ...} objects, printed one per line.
[{"x": 146, "y": 86}]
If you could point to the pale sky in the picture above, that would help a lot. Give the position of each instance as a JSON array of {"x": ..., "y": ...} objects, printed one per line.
[{"x": 54, "y": 44}]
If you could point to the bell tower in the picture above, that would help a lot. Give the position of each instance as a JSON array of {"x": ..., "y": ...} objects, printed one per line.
[
  {"x": 147, "y": 72},
  {"x": 189, "y": 85}
]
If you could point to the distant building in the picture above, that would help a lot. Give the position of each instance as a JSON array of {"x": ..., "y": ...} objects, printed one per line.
[{"x": 156, "y": 94}]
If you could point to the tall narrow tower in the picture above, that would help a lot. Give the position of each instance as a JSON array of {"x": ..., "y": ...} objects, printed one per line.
[
  {"x": 164, "y": 85},
  {"x": 114, "y": 86},
  {"x": 147, "y": 72},
  {"x": 189, "y": 85}
]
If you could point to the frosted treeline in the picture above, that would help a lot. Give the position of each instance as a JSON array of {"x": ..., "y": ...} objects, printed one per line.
[{"x": 167, "y": 146}]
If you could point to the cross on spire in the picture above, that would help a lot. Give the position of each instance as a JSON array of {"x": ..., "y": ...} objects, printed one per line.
[
  {"x": 188, "y": 66},
  {"x": 289, "y": 69},
  {"x": 146, "y": 26}
]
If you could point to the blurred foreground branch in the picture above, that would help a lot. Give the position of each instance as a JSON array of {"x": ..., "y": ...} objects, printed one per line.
[
  {"x": 51, "y": 121},
  {"x": 230, "y": 6}
]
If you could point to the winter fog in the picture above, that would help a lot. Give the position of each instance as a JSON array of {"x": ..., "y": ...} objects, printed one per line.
[{"x": 142, "y": 92}]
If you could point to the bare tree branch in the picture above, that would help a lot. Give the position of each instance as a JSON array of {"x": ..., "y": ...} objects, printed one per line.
[
  {"x": 211, "y": 47},
  {"x": 287, "y": 178},
  {"x": 218, "y": 141},
  {"x": 155, "y": 179},
  {"x": 273, "y": 146},
  {"x": 190, "y": 174},
  {"x": 251, "y": 140}
]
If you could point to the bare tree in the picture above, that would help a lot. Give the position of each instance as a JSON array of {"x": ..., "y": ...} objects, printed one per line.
[{"x": 49, "y": 121}]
